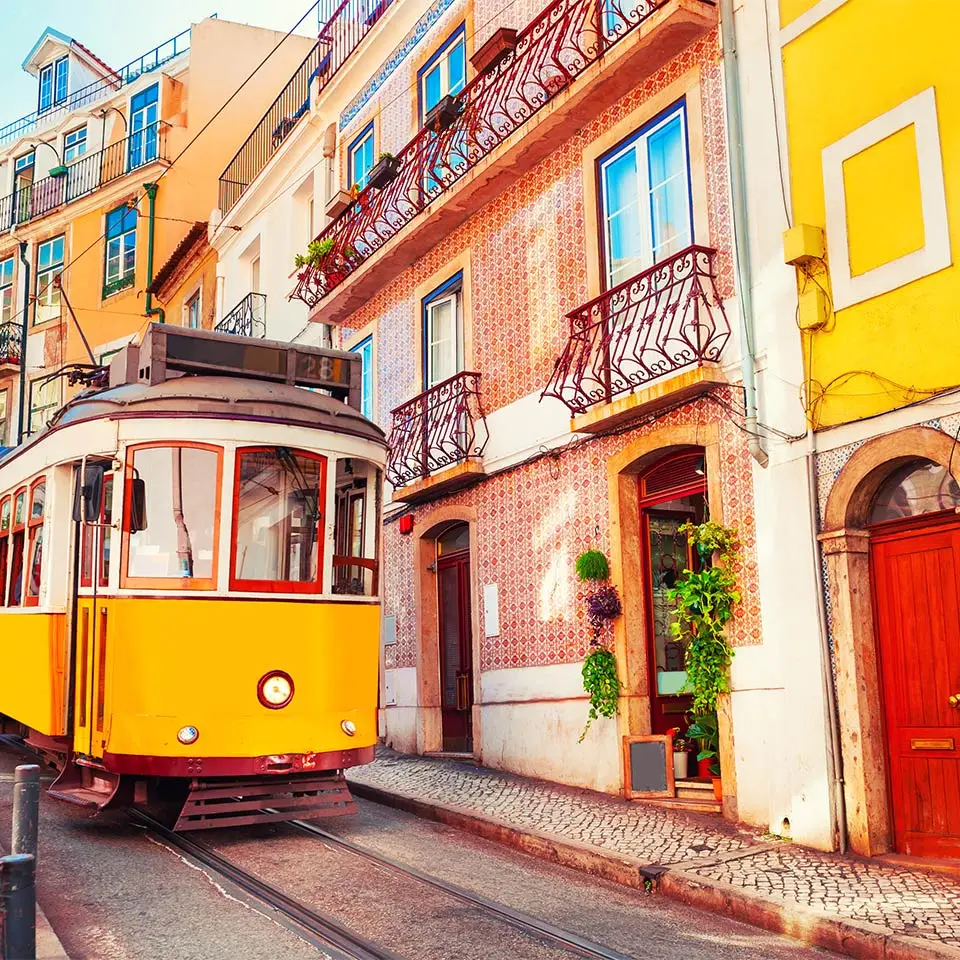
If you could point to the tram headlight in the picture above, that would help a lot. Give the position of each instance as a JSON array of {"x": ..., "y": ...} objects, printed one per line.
[
  {"x": 348, "y": 727},
  {"x": 275, "y": 689},
  {"x": 187, "y": 735}
]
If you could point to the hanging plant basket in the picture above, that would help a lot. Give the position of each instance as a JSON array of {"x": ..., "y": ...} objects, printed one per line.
[{"x": 592, "y": 565}]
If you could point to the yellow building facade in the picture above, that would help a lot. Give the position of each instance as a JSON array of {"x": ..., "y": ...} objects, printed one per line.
[
  {"x": 872, "y": 162},
  {"x": 81, "y": 240}
]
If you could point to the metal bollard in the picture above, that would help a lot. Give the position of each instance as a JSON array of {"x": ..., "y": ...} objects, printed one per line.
[
  {"x": 26, "y": 809},
  {"x": 18, "y": 893}
]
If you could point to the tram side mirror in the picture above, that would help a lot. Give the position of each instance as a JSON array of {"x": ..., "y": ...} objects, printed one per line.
[
  {"x": 138, "y": 505},
  {"x": 87, "y": 496}
]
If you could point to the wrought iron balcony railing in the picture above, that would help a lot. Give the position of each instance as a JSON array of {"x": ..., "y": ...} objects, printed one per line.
[
  {"x": 662, "y": 320},
  {"x": 247, "y": 319},
  {"x": 83, "y": 176},
  {"x": 100, "y": 89},
  {"x": 10, "y": 335},
  {"x": 440, "y": 428},
  {"x": 340, "y": 35},
  {"x": 566, "y": 38}
]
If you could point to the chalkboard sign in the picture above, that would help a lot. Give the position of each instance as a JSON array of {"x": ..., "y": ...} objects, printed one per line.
[{"x": 648, "y": 766}]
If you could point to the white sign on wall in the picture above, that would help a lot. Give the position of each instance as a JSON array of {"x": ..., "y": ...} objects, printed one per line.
[{"x": 491, "y": 610}]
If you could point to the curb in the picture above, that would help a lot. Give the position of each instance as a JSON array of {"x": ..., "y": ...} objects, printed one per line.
[
  {"x": 853, "y": 938},
  {"x": 49, "y": 946}
]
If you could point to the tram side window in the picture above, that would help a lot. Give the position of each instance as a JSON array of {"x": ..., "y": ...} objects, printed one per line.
[
  {"x": 38, "y": 496},
  {"x": 277, "y": 531},
  {"x": 355, "y": 567},
  {"x": 17, "y": 532},
  {"x": 5, "y": 515},
  {"x": 176, "y": 548},
  {"x": 104, "y": 532}
]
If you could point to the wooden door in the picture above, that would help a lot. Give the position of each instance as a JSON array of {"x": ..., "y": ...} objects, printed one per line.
[
  {"x": 456, "y": 652},
  {"x": 916, "y": 593}
]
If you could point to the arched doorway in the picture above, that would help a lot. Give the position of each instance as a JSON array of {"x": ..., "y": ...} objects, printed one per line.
[
  {"x": 672, "y": 492},
  {"x": 915, "y": 578},
  {"x": 455, "y": 633}
]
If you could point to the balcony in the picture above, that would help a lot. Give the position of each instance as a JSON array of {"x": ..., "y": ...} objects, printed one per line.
[
  {"x": 247, "y": 319},
  {"x": 99, "y": 90},
  {"x": 10, "y": 336},
  {"x": 576, "y": 58},
  {"x": 650, "y": 342},
  {"x": 349, "y": 23},
  {"x": 82, "y": 177},
  {"x": 437, "y": 439}
]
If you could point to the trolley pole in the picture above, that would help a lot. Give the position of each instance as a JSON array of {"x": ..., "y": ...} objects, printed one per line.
[
  {"x": 26, "y": 809},
  {"x": 19, "y": 907}
]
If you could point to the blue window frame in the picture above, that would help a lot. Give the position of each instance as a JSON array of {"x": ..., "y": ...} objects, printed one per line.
[
  {"x": 645, "y": 197},
  {"x": 365, "y": 350},
  {"x": 144, "y": 126},
  {"x": 53, "y": 84},
  {"x": 360, "y": 157},
  {"x": 61, "y": 79},
  {"x": 120, "y": 259},
  {"x": 444, "y": 73},
  {"x": 46, "y": 88},
  {"x": 442, "y": 312}
]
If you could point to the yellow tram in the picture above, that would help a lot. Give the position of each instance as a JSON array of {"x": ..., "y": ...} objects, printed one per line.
[{"x": 189, "y": 608}]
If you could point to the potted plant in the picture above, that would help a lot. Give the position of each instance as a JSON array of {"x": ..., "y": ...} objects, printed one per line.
[
  {"x": 443, "y": 114},
  {"x": 384, "y": 171},
  {"x": 316, "y": 251},
  {"x": 705, "y": 730},
  {"x": 681, "y": 755}
]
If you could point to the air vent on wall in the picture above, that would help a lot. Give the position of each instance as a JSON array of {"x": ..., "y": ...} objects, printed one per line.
[{"x": 679, "y": 471}]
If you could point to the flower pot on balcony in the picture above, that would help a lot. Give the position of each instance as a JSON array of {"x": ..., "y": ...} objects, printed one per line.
[
  {"x": 442, "y": 115},
  {"x": 384, "y": 171},
  {"x": 339, "y": 202},
  {"x": 494, "y": 50},
  {"x": 59, "y": 171}
]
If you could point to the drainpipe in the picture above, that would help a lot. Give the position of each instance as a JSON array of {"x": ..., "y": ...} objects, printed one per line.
[
  {"x": 23, "y": 339},
  {"x": 151, "y": 310},
  {"x": 738, "y": 192}
]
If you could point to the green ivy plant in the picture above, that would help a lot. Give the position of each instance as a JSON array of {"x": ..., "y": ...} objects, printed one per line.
[
  {"x": 600, "y": 680},
  {"x": 703, "y": 602},
  {"x": 592, "y": 565}
]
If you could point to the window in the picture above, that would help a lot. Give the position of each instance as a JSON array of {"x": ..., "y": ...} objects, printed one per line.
[
  {"x": 144, "y": 126},
  {"x": 365, "y": 350},
  {"x": 3, "y": 426},
  {"x": 6, "y": 293},
  {"x": 645, "y": 198},
  {"x": 355, "y": 534},
  {"x": 14, "y": 596},
  {"x": 108, "y": 355},
  {"x": 360, "y": 158},
  {"x": 310, "y": 220},
  {"x": 61, "y": 80},
  {"x": 278, "y": 527},
  {"x": 49, "y": 267},
  {"x": 46, "y": 88},
  {"x": 121, "y": 250},
  {"x": 38, "y": 496},
  {"x": 444, "y": 73},
  {"x": 178, "y": 548},
  {"x": 255, "y": 275},
  {"x": 917, "y": 487},
  {"x": 23, "y": 170},
  {"x": 443, "y": 333},
  {"x": 44, "y": 403},
  {"x": 102, "y": 535},
  {"x": 74, "y": 144},
  {"x": 5, "y": 517},
  {"x": 191, "y": 309}
]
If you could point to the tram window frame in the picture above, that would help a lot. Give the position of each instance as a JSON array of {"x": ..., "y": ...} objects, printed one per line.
[
  {"x": 7, "y": 502},
  {"x": 34, "y": 541},
  {"x": 244, "y": 585},
  {"x": 346, "y": 499},
  {"x": 105, "y": 517},
  {"x": 17, "y": 546},
  {"x": 128, "y": 582}
]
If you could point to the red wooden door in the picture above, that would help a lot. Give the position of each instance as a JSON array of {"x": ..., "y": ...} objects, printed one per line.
[
  {"x": 916, "y": 590},
  {"x": 456, "y": 652}
]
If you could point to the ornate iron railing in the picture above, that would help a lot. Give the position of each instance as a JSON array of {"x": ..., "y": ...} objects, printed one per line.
[
  {"x": 662, "y": 320},
  {"x": 84, "y": 175},
  {"x": 340, "y": 35},
  {"x": 437, "y": 429},
  {"x": 99, "y": 89},
  {"x": 10, "y": 335},
  {"x": 247, "y": 319},
  {"x": 566, "y": 38}
]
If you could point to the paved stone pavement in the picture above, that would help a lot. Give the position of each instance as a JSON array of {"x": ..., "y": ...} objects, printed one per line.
[{"x": 906, "y": 901}]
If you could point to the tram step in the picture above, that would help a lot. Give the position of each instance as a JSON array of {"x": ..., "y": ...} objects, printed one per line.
[
  {"x": 233, "y": 803},
  {"x": 87, "y": 787}
]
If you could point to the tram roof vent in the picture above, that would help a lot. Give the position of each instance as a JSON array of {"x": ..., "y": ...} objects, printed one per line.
[{"x": 168, "y": 352}]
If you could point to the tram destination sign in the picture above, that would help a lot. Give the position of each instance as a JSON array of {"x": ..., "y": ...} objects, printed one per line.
[{"x": 168, "y": 351}]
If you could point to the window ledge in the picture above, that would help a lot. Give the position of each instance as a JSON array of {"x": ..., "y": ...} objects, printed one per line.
[{"x": 681, "y": 387}]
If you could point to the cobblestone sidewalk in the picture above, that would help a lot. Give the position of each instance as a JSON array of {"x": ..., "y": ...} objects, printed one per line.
[{"x": 904, "y": 901}]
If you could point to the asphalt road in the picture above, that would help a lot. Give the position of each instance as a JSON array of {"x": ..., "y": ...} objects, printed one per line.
[{"x": 113, "y": 893}]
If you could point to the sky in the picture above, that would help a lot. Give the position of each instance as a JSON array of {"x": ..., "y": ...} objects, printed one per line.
[{"x": 118, "y": 31}]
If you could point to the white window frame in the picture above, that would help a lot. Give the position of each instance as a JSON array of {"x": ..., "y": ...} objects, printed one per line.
[
  {"x": 51, "y": 406},
  {"x": 78, "y": 144},
  {"x": 7, "y": 298},
  {"x": 195, "y": 297},
  {"x": 45, "y": 286},
  {"x": 46, "y": 74},
  {"x": 429, "y": 307},
  {"x": 59, "y": 99},
  {"x": 456, "y": 39}
]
